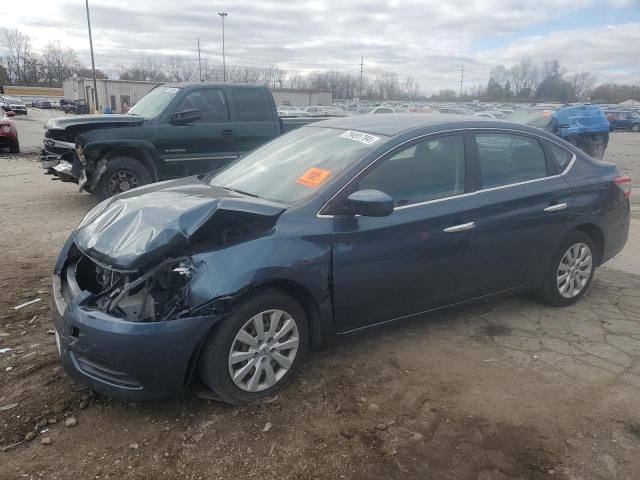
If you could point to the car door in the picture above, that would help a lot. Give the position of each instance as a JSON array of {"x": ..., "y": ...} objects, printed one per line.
[
  {"x": 414, "y": 259},
  {"x": 522, "y": 204},
  {"x": 199, "y": 146},
  {"x": 256, "y": 121}
]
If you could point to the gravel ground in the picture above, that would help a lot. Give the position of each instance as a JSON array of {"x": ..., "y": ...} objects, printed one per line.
[{"x": 511, "y": 389}]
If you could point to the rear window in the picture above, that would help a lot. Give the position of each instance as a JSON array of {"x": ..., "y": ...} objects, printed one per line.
[
  {"x": 559, "y": 155},
  {"x": 251, "y": 104}
]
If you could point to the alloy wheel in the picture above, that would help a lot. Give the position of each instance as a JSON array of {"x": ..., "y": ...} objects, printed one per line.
[
  {"x": 122, "y": 181},
  {"x": 574, "y": 270},
  {"x": 263, "y": 350}
]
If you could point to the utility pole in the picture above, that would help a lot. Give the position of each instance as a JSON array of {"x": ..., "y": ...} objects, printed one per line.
[
  {"x": 361, "y": 78},
  {"x": 93, "y": 63},
  {"x": 224, "y": 62},
  {"x": 461, "y": 79},
  {"x": 199, "y": 62}
]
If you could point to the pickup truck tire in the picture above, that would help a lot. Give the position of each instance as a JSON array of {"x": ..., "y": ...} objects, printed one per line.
[
  {"x": 15, "y": 147},
  {"x": 596, "y": 149},
  {"x": 122, "y": 174},
  {"x": 242, "y": 361}
]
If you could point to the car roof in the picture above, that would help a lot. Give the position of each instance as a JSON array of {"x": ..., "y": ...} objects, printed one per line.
[{"x": 393, "y": 124}]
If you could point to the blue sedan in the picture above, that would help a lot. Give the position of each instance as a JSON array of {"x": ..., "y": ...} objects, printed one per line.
[{"x": 331, "y": 229}]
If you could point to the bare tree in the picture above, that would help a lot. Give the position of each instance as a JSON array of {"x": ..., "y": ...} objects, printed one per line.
[
  {"x": 57, "y": 63},
  {"x": 411, "y": 88},
  {"x": 500, "y": 75},
  {"x": 581, "y": 85},
  {"x": 18, "y": 47},
  {"x": 388, "y": 85},
  {"x": 179, "y": 70}
]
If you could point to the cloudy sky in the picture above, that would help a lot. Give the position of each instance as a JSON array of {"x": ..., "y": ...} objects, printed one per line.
[{"x": 428, "y": 39}]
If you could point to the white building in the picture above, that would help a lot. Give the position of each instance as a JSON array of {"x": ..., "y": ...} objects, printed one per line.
[
  {"x": 112, "y": 94},
  {"x": 301, "y": 98}
]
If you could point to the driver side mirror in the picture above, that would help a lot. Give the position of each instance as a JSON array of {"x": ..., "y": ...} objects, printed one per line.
[
  {"x": 11, "y": 113},
  {"x": 185, "y": 116},
  {"x": 370, "y": 203}
]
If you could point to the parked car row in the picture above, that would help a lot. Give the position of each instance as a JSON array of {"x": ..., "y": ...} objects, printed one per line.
[
  {"x": 623, "y": 120},
  {"x": 13, "y": 104}
]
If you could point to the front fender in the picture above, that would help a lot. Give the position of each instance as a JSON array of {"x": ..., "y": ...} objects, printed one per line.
[{"x": 97, "y": 154}]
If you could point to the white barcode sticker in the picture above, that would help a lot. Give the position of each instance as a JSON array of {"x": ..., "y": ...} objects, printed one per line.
[{"x": 361, "y": 137}]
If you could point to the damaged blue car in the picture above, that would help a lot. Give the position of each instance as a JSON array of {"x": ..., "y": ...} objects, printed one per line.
[{"x": 329, "y": 229}]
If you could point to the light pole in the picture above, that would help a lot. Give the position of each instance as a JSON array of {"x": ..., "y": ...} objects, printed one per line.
[
  {"x": 93, "y": 63},
  {"x": 224, "y": 62}
]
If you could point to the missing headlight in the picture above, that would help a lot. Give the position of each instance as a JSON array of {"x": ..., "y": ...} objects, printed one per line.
[{"x": 160, "y": 294}]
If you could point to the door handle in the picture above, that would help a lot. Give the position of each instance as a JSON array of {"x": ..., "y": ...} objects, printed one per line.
[
  {"x": 556, "y": 207},
  {"x": 227, "y": 133},
  {"x": 460, "y": 228}
]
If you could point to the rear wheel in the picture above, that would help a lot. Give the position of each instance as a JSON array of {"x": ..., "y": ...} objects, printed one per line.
[
  {"x": 635, "y": 128},
  {"x": 123, "y": 174},
  {"x": 569, "y": 275},
  {"x": 257, "y": 349},
  {"x": 596, "y": 149},
  {"x": 15, "y": 147}
]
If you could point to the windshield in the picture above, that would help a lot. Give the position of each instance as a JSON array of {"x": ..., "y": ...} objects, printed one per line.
[
  {"x": 15, "y": 101},
  {"x": 154, "y": 103},
  {"x": 292, "y": 167},
  {"x": 535, "y": 118}
]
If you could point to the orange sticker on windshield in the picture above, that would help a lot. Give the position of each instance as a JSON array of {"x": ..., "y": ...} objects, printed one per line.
[
  {"x": 313, "y": 177},
  {"x": 546, "y": 113}
]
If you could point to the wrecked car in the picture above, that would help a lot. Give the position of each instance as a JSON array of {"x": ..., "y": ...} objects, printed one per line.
[
  {"x": 329, "y": 229},
  {"x": 174, "y": 131}
]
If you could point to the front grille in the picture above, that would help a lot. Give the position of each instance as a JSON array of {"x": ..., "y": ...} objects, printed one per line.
[
  {"x": 100, "y": 372},
  {"x": 56, "y": 135}
]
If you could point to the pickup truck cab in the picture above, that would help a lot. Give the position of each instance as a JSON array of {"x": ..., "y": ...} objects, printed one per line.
[{"x": 174, "y": 131}]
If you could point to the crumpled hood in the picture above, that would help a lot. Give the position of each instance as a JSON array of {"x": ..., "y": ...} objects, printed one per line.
[
  {"x": 60, "y": 123},
  {"x": 131, "y": 230}
]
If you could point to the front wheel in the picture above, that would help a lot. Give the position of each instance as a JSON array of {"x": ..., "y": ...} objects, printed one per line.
[
  {"x": 569, "y": 275},
  {"x": 122, "y": 174},
  {"x": 257, "y": 349},
  {"x": 635, "y": 128}
]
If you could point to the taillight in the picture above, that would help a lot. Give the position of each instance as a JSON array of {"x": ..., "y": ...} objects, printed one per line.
[{"x": 624, "y": 183}]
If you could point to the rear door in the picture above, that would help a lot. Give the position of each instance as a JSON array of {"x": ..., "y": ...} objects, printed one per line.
[
  {"x": 200, "y": 146},
  {"x": 255, "y": 118},
  {"x": 522, "y": 204}
]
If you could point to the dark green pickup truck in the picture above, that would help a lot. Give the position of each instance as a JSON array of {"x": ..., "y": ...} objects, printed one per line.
[{"x": 174, "y": 131}]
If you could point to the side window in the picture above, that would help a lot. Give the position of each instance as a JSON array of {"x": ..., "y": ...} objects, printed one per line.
[
  {"x": 426, "y": 171},
  {"x": 559, "y": 155},
  {"x": 251, "y": 104},
  {"x": 506, "y": 159},
  {"x": 210, "y": 102}
]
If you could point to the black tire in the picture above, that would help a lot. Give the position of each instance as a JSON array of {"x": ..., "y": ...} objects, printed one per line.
[
  {"x": 550, "y": 292},
  {"x": 15, "y": 147},
  {"x": 596, "y": 149},
  {"x": 213, "y": 364},
  {"x": 134, "y": 173},
  {"x": 635, "y": 127}
]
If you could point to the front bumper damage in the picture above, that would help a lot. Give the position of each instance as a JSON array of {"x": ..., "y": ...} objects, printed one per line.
[
  {"x": 54, "y": 151},
  {"x": 129, "y": 360}
]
